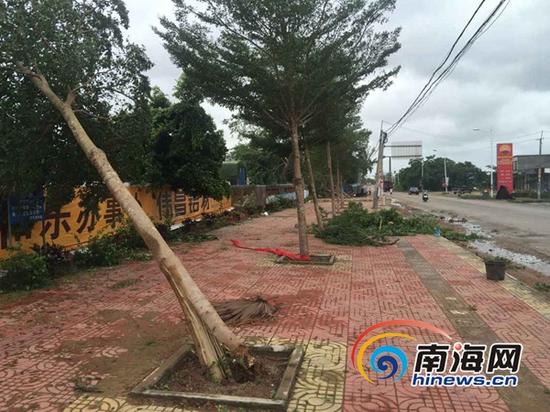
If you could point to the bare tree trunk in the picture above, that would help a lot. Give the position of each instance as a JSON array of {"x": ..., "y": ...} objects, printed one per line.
[
  {"x": 341, "y": 186},
  {"x": 320, "y": 223},
  {"x": 211, "y": 335},
  {"x": 338, "y": 186},
  {"x": 331, "y": 180},
  {"x": 299, "y": 188}
]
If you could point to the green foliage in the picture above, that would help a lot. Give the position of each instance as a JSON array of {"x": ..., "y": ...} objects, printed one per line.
[
  {"x": 24, "y": 271},
  {"x": 464, "y": 174},
  {"x": 278, "y": 63},
  {"x": 349, "y": 148},
  {"x": 127, "y": 237},
  {"x": 111, "y": 249},
  {"x": 264, "y": 155},
  {"x": 100, "y": 251},
  {"x": 187, "y": 151},
  {"x": 76, "y": 45},
  {"x": 280, "y": 203},
  {"x": 59, "y": 260},
  {"x": 356, "y": 226},
  {"x": 496, "y": 259},
  {"x": 458, "y": 236},
  {"x": 543, "y": 287}
]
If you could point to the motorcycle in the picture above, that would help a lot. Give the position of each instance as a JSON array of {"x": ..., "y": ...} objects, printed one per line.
[{"x": 425, "y": 196}]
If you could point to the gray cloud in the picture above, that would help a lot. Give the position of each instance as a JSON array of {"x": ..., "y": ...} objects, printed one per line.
[{"x": 500, "y": 84}]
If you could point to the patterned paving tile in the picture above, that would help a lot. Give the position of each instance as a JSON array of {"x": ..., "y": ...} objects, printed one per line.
[{"x": 322, "y": 308}]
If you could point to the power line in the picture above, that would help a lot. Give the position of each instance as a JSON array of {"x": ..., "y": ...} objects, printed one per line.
[
  {"x": 496, "y": 18},
  {"x": 430, "y": 86},
  {"x": 451, "y": 137},
  {"x": 452, "y": 66},
  {"x": 444, "y": 60}
]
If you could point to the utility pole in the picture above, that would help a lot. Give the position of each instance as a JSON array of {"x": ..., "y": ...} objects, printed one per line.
[
  {"x": 422, "y": 173},
  {"x": 379, "y": 167},
  {"x": 539, "y": 182},
  {"x": 445, "y": 175},
  {"x": 492, "y": 166}
]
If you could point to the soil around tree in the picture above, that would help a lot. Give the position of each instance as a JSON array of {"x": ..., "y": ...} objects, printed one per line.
[{"x": 190, "y": 376}]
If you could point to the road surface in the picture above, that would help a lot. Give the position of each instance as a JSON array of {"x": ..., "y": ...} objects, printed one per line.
[{"x": 520, "y": 227}]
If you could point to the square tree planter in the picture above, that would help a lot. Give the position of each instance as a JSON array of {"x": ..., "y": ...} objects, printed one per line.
[
  {"x": 314, "y": 260},
  {"x": 278, "y": 402}
]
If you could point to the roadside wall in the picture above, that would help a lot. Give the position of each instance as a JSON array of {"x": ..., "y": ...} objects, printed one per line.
[
  {"x": 258, "y": 195},
  {"x": 72, "y": 226}
]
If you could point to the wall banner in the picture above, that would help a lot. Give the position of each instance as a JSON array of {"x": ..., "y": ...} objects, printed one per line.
[{"x": 505, "y": 174}]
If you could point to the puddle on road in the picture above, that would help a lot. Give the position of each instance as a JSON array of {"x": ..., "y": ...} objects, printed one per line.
[
  {"x": 529, "y": 261},
  {"x": 489, "y": 247}
]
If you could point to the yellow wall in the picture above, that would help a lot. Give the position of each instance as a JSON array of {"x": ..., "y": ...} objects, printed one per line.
[{"x": 72, "y": 226}]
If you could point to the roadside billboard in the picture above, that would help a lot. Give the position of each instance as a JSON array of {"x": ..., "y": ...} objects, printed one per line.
[{"x": 505, "y": 176}]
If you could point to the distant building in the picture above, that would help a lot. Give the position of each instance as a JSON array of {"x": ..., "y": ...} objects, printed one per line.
[
  {"x": 234, "y": 173},
  {"x": 526, "y": 172}
]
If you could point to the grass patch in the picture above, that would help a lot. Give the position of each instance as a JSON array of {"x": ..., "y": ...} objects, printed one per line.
[{"x": 542, "y": 287}]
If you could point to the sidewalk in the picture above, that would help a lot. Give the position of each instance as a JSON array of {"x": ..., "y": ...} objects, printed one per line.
[{"x": 117, "y": 324}]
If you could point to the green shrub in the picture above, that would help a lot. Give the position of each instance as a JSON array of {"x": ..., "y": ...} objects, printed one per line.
[
  {"x": 23, "y": 271},
  {"x": 280, "y": 203},
  {"x": 100, "y": 251},
  {"x": 59, "y": 260},
  {"x": 126, "y": 236},
  {"x": 458, "y": 236},
  {"x": 357, "y": 227}
]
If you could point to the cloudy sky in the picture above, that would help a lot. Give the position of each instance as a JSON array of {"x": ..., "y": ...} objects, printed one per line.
[{"x": 502, "y": 83}]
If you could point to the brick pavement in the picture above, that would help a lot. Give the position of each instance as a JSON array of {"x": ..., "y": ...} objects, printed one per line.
[{"x": 52, "y": 337}]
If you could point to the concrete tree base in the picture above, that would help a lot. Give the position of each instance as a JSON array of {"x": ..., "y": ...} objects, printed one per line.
[{"x": 278, "y": 402}]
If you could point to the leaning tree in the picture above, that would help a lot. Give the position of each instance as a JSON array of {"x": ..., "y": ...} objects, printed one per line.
[
  {"x": 63, "y": 61},
  {"x": 275, "y": 62}
]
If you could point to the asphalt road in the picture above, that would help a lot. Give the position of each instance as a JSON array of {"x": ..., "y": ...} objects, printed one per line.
[{"x": 520, "y": 227}]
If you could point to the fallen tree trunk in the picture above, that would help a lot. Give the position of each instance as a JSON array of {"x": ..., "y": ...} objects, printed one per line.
[{"x": 212, "y": 337}]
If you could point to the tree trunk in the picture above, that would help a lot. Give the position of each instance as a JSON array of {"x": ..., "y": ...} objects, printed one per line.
[
  {"x": 341, "y": 192},
  {"x": 320, "y": 223},
  {"x": 211, "y": 335},
  {"x": 299, "y": 188},
  {"x": 331, "y": 180},
  {"x": 338, "y": 186}
]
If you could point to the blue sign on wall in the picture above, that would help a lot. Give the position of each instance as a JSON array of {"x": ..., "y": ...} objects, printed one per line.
[
  {"x": 242, "y": 176},
  {"x": 26, "y": 209}
]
